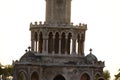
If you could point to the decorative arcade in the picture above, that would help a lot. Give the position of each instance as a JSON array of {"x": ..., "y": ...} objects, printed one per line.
[{"x": 65, "y": 40}]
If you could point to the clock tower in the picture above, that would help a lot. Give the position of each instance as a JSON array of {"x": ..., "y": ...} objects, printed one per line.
[{"x": 57, "y": 49}]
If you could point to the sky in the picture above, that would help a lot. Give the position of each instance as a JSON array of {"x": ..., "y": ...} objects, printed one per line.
[{"x": 101, "y": 16}]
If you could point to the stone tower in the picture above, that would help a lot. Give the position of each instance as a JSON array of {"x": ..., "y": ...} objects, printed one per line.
[
  {"x": 57, "y": 49},
  {"x": 58, "y": 11}
]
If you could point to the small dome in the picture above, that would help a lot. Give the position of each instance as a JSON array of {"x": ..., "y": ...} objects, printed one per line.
[
  {"x": 28, "y": 56},
  {"x": 91, "y": 58}
]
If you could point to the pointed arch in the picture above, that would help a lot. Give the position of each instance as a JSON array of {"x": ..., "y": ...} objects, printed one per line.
[
  {"x": 34, "y": 76},
  {"x": 50, "y": 42},
  {"x": 97, "y": 75},
  {"x": 101, "y": 78},
  {"x": 59, "y": 77},
  {"x": 56, "y": 42},
  {"x": 78, "y": 44},
  {"x": 40, "y": 42},
  {"x": 36, "y": 41},
  {"x": 63, "y": 43},
  {"x": 85, "y": 76},
  {"x": 22, "y": 76},
  {"x": 69, "y": 42}
]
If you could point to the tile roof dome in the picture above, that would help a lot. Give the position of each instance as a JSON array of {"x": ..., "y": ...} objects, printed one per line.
[
  {"x": 91, "y": 58},
  {"x": 28, "y": 56}
]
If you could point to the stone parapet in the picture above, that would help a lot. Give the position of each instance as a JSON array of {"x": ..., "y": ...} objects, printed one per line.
[
  {"x": 55, "y": 60},
  {"x": 40, "y": 24}
]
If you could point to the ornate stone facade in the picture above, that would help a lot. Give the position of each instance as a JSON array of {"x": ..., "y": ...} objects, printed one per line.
[{"x": 57, "y": 49}]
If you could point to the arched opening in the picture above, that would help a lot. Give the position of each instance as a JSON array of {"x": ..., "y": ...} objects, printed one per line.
[
  {"x": 85, "y": 76},
  {"x": 34, "y": 76},
  {"x": 97, "y": 76},
  {"x": 50, "y": 43},
  {"x": 63, "y": 43},
  {"x": 36, "y": 42},
  {"x": 78, "y": 44},
  {"x": 21, "y": 76},
  {"x": 101, "y": 78},
  {"x": 69, "y": 43},
  {"x": 56, "y": 43},
  {"x": 81, "y": 44},
  {"x": 40, "y": 42},
  {"x": 59, "y": 77}
]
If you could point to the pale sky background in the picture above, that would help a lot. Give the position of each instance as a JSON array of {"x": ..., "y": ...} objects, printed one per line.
[{"x": 101, "y": 16}]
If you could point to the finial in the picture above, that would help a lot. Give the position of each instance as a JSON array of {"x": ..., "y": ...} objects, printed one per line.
[
  {"x": 29, "y": 48},
  {"x": 72, "y": 24},
  {"x": 90, "y": 51},
  {"x": 79, "y": 24},
  {"x": 35, "y": 23},
  {"x": 30, "y": 24},
  {"x": 26, "y": 50}
]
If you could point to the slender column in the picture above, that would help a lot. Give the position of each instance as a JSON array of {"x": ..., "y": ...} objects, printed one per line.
[
  {"x": 38, "y": 48},
  {"x": 82, "y": 44},
  {"x": 36, "y": 43},
  {"x": 92, "y": 78},
  {"x": 29, "y": 76},
  {"x": 66, "y": 37},
  {"x": 83, "y": 48},
  {"x": 60, "y": 44},
  {"x": 32, "y": 45},
  {"x": 53, "y": 45},
  {"x": 32, "y": 41},
  {"x": 79, "y": 53},
  {"x": 73, "y": 45},
  {"x": 44, "y": 45}
]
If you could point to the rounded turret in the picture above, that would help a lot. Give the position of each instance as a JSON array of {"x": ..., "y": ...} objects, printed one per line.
[{"x": 91, "y": 58}]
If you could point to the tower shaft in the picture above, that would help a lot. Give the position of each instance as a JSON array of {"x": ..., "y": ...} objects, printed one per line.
[{"x": 58, "y": 11}]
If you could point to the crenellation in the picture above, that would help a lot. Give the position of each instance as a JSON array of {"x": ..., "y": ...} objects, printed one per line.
[
  {"x": 40, "y": 23},
  {"x": 71, "y": 24},
  {"x": 37, "y": 24},
  {"x": 31, "y": 24},
  {"x": 79, "y": 24},
  {"x": 76, "y": 26},
  {"x": 85, "y": 25},
  {"x": 45, "y": 23}
]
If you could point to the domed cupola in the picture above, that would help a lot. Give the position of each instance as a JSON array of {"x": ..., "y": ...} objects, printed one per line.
[
  {"x": 28, "y": 56},
  {"x": 91, "y": 58}
]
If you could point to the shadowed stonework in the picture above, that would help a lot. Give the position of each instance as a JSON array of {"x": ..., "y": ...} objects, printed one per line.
[{"x": 57, "y": 49}]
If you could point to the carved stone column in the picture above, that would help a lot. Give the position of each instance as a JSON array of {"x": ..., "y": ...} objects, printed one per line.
[
  {"x": 79, "y": 50},
  {"x": 82, "y": 44},
  {"x": 32, "y": 45},
  {"x": 60, "y": 44},
  {"x": 44, "y": 45},
  {"x": 73, "y": 44},
  {"x": 53, "y": 45},
  {"x": 38, "y": 47},
  {"x": 66, "y": 46}
]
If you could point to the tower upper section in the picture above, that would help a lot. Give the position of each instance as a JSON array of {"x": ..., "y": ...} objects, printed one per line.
[
  {"x": 58, "y": 11},
  {"x": 58, "y": 36}
]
